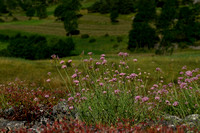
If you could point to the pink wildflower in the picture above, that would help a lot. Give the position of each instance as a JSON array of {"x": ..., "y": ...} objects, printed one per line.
[
  {"x": 175, "y": 103},
  {"x": 76, "y": 81},
  {"x": 70, "y": 99},
  {"x": 144, "y": 99},
  {"x": 101, "y": 84},
  {"x": 69, "y": 61},
  {"x": 48, "y": 80},
  {"x": 71, "y": 107},
  {"x": 89, "y": 53},
  {"x": 117, "y": 91},
  {"x": 62, "y": 62},
  {"x": 137, "y": 98},
  {"x": 188, "y": 73},
  {"x": 46, "y": 96},
  {"x": 74, "y": 75},
  {"x": 103, "y": 55},
  {"x": 64, "y": 66},
  {"x": 135, "y": 60}
]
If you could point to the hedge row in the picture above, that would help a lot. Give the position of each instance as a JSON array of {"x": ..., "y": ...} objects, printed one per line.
[{"x": 37, "y": 47}]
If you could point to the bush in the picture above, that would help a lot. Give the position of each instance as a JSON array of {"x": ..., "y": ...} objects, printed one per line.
[
  {"x": 4, "y": 38},
  {"x": 92, "y": 40},
  {"x": 62, "y": 48},
  {"x": 36, "y": 47},
  {"x": 30, "y": 12},
  {"x": 84, "y": 36},
  {"x": 33, "y": 47}
]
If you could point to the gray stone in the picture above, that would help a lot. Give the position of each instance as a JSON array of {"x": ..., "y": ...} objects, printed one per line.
[
  {"x": 173, "y": 120},
  {"x": 193, "y": 119}
]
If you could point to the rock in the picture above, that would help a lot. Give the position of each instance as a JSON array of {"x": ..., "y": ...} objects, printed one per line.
[
  {"x": 172, "y": 120},
  {"x": 11, "y": 124},
  {"x": 193, "y": 120}
]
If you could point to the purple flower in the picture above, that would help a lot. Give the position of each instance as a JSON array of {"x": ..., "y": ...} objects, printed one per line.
[
  {"x": 53, "y": 56},
  {"x": 104, "y": 62},
  {"x": 188, "y": 73},
  {"x": 46, "y": 96},
  {"x": 137, "y": 98},
  {"x": 135, "y": 60},
  {"x": 184, "y": 67},
  {"x": 104, "y": 92},
  {"x": 74, "y": 75},
  {"x": 76, "y": 81},
  {"x": 157, "y": 98},
  {"x": 117, "y": 91},
  {"x": 175, "y": 103},
  {"x": 122, "y": 74},
  {"x": 144, "y": 99},
  {"x": 69, "y": 61},
  {"x": 62, "y": 62},
  {"x": 89, "y": 53},
  {"x": 70, "y": 99},
  {"x": 102, "y": 58},
  {"x": 158, "y": 69},
  {"x": 71, "y": 107},
  {"x": 64, "y": 66},
  {"x": 168, "y": 102},
  {"x": 85, "y": 60},
  {"x": 49, "y": 73},
  {"x": 126, "y": 54},
  {"x": 103, "y": 55},
  {"x": 48, "y": 80},
  {"x": 101, "y": 84},
  {"x": 98, "y": 63},
  {"x": 120, "y": 54}
]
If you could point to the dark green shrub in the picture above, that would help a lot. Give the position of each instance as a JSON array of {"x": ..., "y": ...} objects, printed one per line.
[
  {"x": 30, "y": 12},
  {"x": 4, "y": 38},
  {"x": 106, "y": 35},
  {"x": 84, "y": 36},
  {"x": 33, "y": 47},
  {"x": 4, "y": 53},
  {"x": 92, "y": 40},
  {"x": 142, "y": 36},
  {"x": 62, "y": 48}
]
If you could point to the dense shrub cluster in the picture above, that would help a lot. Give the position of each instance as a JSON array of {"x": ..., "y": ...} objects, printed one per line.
[
  {"x": 4, "y": 38},
  {"x": 105, "y": 6},
  {"x": 36, "y": 47}
]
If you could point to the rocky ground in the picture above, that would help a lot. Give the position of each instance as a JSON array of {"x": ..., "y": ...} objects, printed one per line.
[{"x": 61, "y": 110}]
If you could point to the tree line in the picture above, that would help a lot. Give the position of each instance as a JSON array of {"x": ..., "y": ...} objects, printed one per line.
[{"x": 157, "y": 22}]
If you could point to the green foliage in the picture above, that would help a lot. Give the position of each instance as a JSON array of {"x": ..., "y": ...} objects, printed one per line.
[
  {"x": 62, "y": 48},
  {"x": 3, "y": 8},
  {"x": 187, "y": 28},
  {"x": 113, "y": 16},
  {"x": 84, "y": 36},
  {"x": 67, "y": 12},
  {"x": 92, "y": 40},
  {"x": 106, "y": 6},
  {"x": 30, "y": 12},
  {"x": 37, "y": 47},
  {"x": 142, "y": 36},
  {"x": 169, "y": 13},
  {"x": 146, "y": 11},
  {"x": 41, "y": 11}
]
